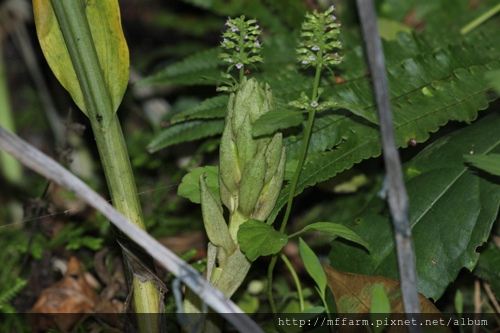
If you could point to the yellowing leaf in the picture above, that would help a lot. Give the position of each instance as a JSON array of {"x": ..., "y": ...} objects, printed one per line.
[{"x": 109, "y": 42}]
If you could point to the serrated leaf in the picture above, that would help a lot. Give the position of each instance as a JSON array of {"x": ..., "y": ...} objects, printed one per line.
[
  {"x": 489, "y": 163},
  {"x": 452, "y": 209},
  {"x": 337, "y": 230},
  {"x": 189, "y": 71},
  {"x": 110, "y": 44},
  {"x": 276, "y": 120},
  {"x": 313, "y": 266},
  {"x": 190, "y": 184},
  {"x": 183, "y": 132},
  {"x": 257, "y": 238},
  {"x": 214, "y": 107},
  {"x": 458, "y": 95}
]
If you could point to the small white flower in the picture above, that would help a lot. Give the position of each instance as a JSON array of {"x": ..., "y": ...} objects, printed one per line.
[
  {"x": 304, "y": 62},
  {"x": 228, "y": 23},
  {"x": 311, "y": 58},
  {"x": 315, "y": 48},
  {"x": 229, "y": 60},
  {"x": 336, "y": 103},
  {"x": 314, "y": 104},
  {"x": 246, "y": 37},
  {"x": 256, "y": 44},
  {"x": 224, "y": 41},
  {"x": 333, "y": 17},
  {"x": 257, "y": 26},
  {"x": 239, "y": 65},
  {"x": 332, "y": 7},
  {"x": 234, "y": 29}
]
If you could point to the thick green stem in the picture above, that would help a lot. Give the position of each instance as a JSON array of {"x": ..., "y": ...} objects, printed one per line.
[
  {"x": 109, "y": 137},
  {"x": 10, "y": 167}
]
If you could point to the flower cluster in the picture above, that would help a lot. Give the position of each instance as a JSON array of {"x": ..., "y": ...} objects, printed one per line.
[
  {"x": 320, "y": 39},
  {"x": 305, "y": 103},
  {"x": 240, "y": 42}
]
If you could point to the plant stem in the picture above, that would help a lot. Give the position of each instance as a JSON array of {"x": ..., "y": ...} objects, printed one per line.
[
  {"x": 109, "y": 137},
  {"x": 295, "y": 180},
  {"x": 10, "y": 167},
  {"x": 297, "y": 281},
  {"x": 481, "y": 19}
]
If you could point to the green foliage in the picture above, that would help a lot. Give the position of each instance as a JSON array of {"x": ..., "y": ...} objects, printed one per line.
[
  {"x": 273, "y": 121},
  {"x": 313, "y": 266},
  {"x": 336, "y": 230},
  {"x": 450, "y": 205},
  {"x": 257, "y": 238},
  {"x": 190, "y": 185},
  {"x": 489, "y": 163},
  {"x": 8, "y": 293},
  {"x": 487, "y": 267},
  {"x": 73, "y": 236},
  {"x": 188, "y": 131}
]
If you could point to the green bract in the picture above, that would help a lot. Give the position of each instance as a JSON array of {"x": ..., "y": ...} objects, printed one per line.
[{"x": 251, "y": 169}]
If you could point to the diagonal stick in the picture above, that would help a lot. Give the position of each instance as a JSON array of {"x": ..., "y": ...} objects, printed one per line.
[{"x": 47, "y": 167}]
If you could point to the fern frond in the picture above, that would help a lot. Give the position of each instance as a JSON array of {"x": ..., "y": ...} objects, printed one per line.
[
  {"x": 7, "y": 295},
  {"x": 214, "y": 107},
  {"x": 184, "y": 132},
  {"x": 189, "y": 71}
]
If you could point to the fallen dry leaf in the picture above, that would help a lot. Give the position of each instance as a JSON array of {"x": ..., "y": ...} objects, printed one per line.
[
  {"x": 65, "y": 302},
  {"x": 353, "y": 295}
]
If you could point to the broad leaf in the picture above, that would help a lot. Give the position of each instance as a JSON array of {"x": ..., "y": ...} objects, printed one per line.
[
  {"x": 273, "y": 121},
  {"x": 257, "y": 238},
  {"x": 112, "y": 51},
  {"x": 337, "y": 230},
  {"x": 489, "y": 163},
  {"x": 189, "y": 131},
  {"x": 487, "y": 267},
  {"x": 452, "y": 209},
  {"x": 190, "y": 184},
  {"x": 313, "y": 266}
]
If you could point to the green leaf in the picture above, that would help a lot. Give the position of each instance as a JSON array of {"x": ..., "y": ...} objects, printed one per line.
[
  {"x": 380, "y": 308},
  {"x": 188, "y": 71},
  {"x": 337, "y": 230},
  {"x": 452, "y": 210},
  {"x": 190, "y": 184},
  {"x": 489, "y": 163},
  {"x": 188, "y": 131},
  {"x": 215, "y": 224},
  {"x": 487, "y": 267},
  {"x": 494, "y": 78},
  {"x": 257, "y": 238},
  {"x": 276, "y": 120},
  {"x": 210, "y": 108},
  {"x": 380, "y": 302},
  {"x": 313, "y": 266},
  {"x": 107, "y": 35}
]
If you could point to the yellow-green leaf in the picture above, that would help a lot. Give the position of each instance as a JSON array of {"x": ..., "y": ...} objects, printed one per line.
[{"x": 109, "y": 42}]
